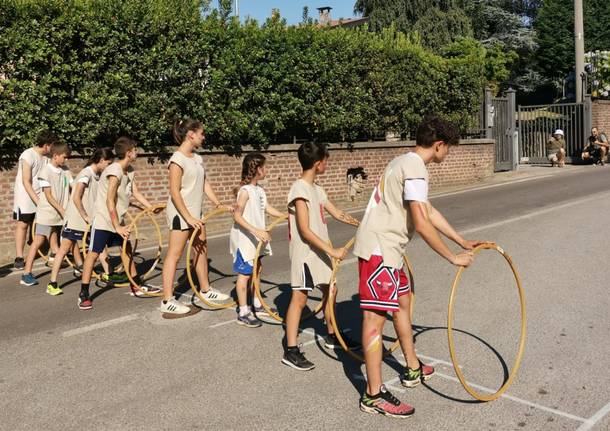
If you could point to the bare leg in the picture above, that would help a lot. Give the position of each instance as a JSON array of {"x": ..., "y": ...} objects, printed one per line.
[
  {"x": 54, "y": 240},
  {"x": 21, "y": 233},
  {"x": 104, "y": 261},
  {"x": 402, "y": 324},
  {"x": 177, "y": 241},
  {"x": 241, "y": 286},
  {"x": 64, "y": 248},
  {"x": 293, "y": 316},
  {"x": 36, "y": 244},
  {"x": 372, "y": 330}
]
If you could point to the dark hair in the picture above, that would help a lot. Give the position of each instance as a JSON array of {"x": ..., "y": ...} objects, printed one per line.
[
  {"x": 46, "y": 137},
  {"x": 99, "y": 155},
  {"x": 182, "y": 127},
  {"x": 249, "y": 166},
  {"x": 434, "y": 129},
  {"x": 123, "y": 145},
  {"x": 310, "y": 153},
  {"x": 58, "y": 148}
]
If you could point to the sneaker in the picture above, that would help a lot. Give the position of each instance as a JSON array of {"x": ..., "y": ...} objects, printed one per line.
[
  {"x": 19, "y": 263},
  {"x": 293, "y": 357},
  {"x": 84, "y": 303},
  {"x": 28, "y": 279},
  {"x": 214, "y": 295},
  {"x": 54, "y": 290},
  {"x": 411, "y": 378},
  {"x": 114, "y": 278},
  {"x": 145, "y": 290},
  {"x": 78, "y": 270},
  {"x": 384, "y": 403},
  {"x": 173, "y": 306},
  {"x": 248, "y": 320},
  {"x": 332, "y": 342}
]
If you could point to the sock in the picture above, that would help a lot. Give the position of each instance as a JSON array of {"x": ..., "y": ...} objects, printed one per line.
[
  {"x": 256, "y": 302},
  {"x": 84, "y": 290},
  {"x": 288, "y": 348},
  {"x": 244, "y": 310},
  {"x": 138, "y": 280},
  {"x": 53, "y": 283}
]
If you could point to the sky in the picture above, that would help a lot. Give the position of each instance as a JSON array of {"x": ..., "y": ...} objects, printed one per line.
[{"x": 292, "y": 10}]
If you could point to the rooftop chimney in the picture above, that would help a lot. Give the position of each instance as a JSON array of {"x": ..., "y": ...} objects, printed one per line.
[{"x": 324, "y": 15}]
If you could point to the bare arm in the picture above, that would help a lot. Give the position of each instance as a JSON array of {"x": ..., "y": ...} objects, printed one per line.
[
  {"x": 425, "y": 227},
  {"x": 175, "y": 180},
  {"x": 209, "y": 192},
  {"x": 139, "y": 196},
  {"x": 113, "y": 186},
  {"x": 238, "y": 216},
  {"x": 77, "y": 199},
  {"x": 339, "y": 215},
  {"x": 273, "y": 212},
  {"x": 302, "y": 218},
  {"x": 26, "y": 178},
  {"x": 53, "y": 202}
]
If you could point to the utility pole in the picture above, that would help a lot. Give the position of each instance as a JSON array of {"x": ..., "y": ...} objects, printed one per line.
[
  {"x": 237, "y": 8},
  {"x": 579, "y": 50}
]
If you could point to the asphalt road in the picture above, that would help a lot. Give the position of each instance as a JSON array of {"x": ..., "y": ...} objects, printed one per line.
[{"x": 121, "y": 366}]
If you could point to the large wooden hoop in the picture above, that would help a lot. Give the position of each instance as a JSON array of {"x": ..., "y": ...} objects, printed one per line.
[
  {"x": 333, "y": 299},
  {"x": 256, "y": 281},
  {"x": 189, "y": 271},
  {"x": 127, "y": 260},
  {"x": 454, "y": 360}
]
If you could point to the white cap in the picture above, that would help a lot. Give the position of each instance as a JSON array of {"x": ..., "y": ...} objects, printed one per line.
[{"x": 558, "y": 132}]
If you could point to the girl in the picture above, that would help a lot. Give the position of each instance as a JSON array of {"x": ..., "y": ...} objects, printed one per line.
[
  {"x": 79, "y": 214},
  {"x": 247, "y": 231},
  {"x": 184, "y": 211}
]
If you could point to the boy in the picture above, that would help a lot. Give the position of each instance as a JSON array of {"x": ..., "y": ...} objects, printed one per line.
[
  {"x": 309, "y": 247},
  {"x": 399, "y": 206},
  {"x": 116, "y": 186},
  {"x": 54, "y": 179},
  {"x": 27, "y": 190}
]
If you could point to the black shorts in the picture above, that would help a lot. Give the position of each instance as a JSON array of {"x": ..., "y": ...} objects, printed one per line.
[
  {"x": 177, "y": 225},
  {"x": 24, "y": 217},
  {"x": 100, "y": 239},
  {"x": 308, "y": 284}
]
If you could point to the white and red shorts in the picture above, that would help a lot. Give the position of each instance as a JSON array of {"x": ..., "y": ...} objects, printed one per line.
[{"x": 381, "y": 286}]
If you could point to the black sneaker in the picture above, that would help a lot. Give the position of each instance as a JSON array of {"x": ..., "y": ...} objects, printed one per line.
[
  {"x": 19, "y": 263},
  {"x": 293, "y": 357},
  {"x": 332, "y": 342}
]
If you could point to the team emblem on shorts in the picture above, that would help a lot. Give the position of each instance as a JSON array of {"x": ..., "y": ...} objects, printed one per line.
[{"x": 383, "y": 282}]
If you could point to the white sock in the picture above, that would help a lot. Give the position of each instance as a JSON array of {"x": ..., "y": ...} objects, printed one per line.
[
  {"x": 256, "y": 302},
  {"x": 244, "y": 310}
]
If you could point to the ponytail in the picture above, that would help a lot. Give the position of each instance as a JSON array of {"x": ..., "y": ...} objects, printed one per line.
[
  {"x": 249, "y": 166},
  {"x": 182, "y": 127},
  {"x": 99, "y": 155}
]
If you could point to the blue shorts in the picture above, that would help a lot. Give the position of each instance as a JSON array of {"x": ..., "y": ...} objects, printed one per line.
[
  {"x": 241, "y": 266},
  {"x": 72, "y": 234},
  {"x": 100, "y": 239}
]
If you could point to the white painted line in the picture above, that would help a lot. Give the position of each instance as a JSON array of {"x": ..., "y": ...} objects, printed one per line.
[
  {"x": 589, "y": 423},
  {"x": 100, "y": 325},
  {"x": 515, "y": 399},
  {"x": 489, "y": 186},
  {"x": 317, "y": 337},
  {"x": 223, "y": 323}
]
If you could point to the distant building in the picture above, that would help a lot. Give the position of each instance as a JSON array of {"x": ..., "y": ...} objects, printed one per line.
[{"x": 325, "y": 20}]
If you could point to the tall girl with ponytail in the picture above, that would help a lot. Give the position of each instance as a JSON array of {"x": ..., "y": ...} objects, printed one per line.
[
  {"x": 79, "y": 214},
  {"x": 247, "y": 231},
  {"x": 187, "y": 184}
]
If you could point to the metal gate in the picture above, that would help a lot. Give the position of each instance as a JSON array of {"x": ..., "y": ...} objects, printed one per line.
[
  {"x": 501, "y": 126},
  {"x": 538, "y": 122}
]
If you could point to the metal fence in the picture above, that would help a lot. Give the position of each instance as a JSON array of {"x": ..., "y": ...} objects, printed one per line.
[{"x": 538, "y": 122}]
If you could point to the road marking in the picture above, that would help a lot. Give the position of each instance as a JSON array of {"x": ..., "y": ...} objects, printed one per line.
[
  {"x": 223, "y": 323},
  {"x": 317, "y": 337},
  {"x": 589, "y": 423},
  {"x": 489, "y": 186},
  {"x": 100, "y": 325}
]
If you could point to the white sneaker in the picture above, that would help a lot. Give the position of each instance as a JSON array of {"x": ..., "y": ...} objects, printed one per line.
[
  {"x": 215, "y": 296},
  {"x": 173, "y": 306},
  {"x": 145, "y": 291}
]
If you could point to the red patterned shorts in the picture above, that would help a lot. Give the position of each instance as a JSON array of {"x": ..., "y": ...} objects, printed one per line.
[{"x": 381, "y": 286}]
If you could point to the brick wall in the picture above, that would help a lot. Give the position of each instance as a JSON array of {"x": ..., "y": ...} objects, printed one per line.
[
  {"x": 601, "y": 115},
  {"x": 469, "y": 162}
]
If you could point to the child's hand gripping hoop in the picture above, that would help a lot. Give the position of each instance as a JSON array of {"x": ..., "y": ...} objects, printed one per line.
[{"x": 456, "y": 367}]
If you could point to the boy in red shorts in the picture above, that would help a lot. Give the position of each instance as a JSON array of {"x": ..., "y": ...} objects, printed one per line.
[{"x": 399, "y": 207}]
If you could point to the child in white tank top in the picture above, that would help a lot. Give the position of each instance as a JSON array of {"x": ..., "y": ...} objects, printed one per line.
[{"x": 248, "y": 229}]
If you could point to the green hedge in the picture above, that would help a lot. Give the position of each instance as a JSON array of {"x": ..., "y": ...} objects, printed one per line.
[{"x": 93, "y": 69}]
